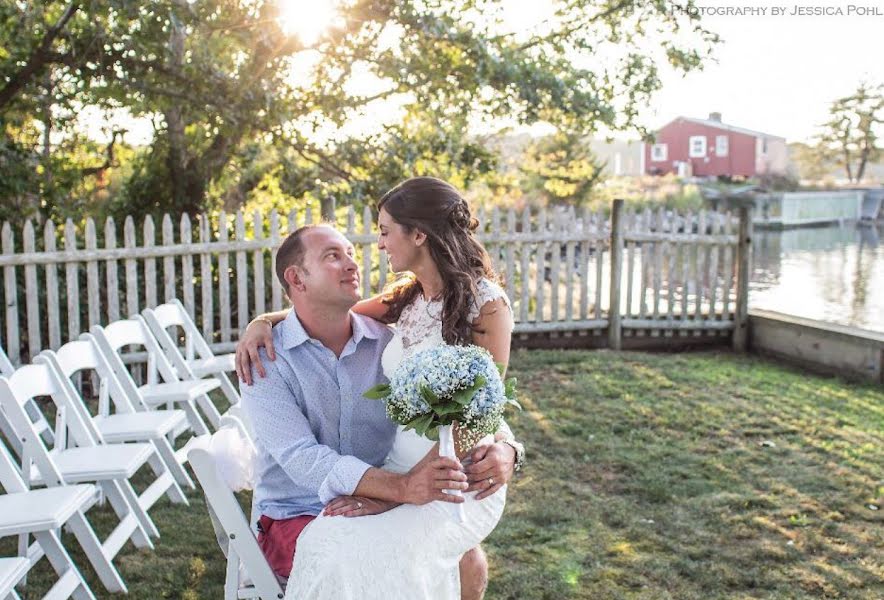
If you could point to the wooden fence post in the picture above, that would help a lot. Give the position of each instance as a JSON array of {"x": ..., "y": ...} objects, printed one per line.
[
  {"x": 744, "y": 254},
  {"x": 615, "y": 329}
]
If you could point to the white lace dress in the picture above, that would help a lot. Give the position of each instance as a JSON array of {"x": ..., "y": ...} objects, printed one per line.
[{"x": 410, "y": 552}]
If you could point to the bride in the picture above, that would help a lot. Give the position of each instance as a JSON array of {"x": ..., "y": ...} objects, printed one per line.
[{"x": 425, "y": 228}]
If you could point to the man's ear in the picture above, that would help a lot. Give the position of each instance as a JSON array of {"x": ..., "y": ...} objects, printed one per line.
[{"x": 294, "y": 277}]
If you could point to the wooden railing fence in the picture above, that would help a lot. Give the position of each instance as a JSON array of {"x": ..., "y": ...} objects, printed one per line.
[{"x": 670, "y": 275}]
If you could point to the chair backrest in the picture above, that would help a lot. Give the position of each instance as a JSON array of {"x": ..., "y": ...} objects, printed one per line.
[
  {"x": 132, "y": 332},
  {"x": 173, "y": 314},
  {"x": 6, "y": 367},
  {"x": 10, "y": 478},
  {"x": 244, "y": 558},
  {"x": 16, "y": 391},
  {"x": 85, "y": 354}
]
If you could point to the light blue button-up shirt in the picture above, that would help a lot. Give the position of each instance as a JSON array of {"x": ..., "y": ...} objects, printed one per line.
[{"x": 316, "y": 433}]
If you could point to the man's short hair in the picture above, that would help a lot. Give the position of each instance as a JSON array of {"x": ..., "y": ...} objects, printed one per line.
[{"x": 292, "y": 251}]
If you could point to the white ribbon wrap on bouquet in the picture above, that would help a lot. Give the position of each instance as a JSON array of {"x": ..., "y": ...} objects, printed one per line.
[{"x": 446, "y": 450}]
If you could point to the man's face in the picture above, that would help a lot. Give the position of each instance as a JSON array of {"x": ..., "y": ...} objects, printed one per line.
[{"x": 329, "y": 275}]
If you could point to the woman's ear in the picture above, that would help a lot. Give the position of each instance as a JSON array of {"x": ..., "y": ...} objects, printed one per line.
[{"x": 419, "y": 237}]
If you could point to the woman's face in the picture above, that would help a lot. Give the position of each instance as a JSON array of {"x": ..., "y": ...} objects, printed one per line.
[{"x": 401, "y": 247}]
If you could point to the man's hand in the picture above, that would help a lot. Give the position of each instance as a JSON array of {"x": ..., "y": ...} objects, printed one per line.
[
  {"x": 357, "y": 506},
  {"x": 425, "y": 482},
  {"x": 492, "y": 468},
  {"x": 257, "y": 334}
]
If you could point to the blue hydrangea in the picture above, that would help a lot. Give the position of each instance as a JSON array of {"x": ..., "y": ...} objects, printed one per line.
[{"x": 445, "y": 370}]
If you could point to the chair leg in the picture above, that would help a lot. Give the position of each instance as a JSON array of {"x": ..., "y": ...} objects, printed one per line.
[
  {"x": 210, "y": 410},
  {"x": 163, "y": 472},
  {"x": 227, "y": 387},
  {"x": 194, "y": 418},
  {"x": 140, "y": 510},
  {"x": 126, "y": 505},
  {"x": 69, "y": 575},
  {"x": 96, "y": 555},
  {"x": 165, "y": 450}
]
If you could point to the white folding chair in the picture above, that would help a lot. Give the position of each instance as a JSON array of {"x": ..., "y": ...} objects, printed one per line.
[
  {"x": 198, "y": 360},
  {"x": 125, "y": 423},
  {"x": 77, "y": 457},
  {"x": 40, "y": 422},
  {"x": 42, "y": 513},
  {"x": 172, "y": 390},
  {"x": 248, "y": 574}
]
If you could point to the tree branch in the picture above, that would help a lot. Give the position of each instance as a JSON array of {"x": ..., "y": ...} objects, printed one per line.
[{"x": 38, "y": 58}]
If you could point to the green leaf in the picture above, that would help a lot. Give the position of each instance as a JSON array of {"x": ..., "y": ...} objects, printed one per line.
[
  {"x": 413, "y": 423},
  {"x": 428, "y": 395},
  {"x": 510, "y": 387},
  {"x": 378, "y": 392},
  {"x": 433, "y": 433},
  {"x": 501, "y": 368},
  {"x": 449, "y": 408}
]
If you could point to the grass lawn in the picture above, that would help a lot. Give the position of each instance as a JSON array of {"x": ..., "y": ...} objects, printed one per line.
[{"x": 652, "y": 476}]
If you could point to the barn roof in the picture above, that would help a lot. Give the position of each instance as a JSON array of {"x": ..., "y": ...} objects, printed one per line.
[{"x": 725, "y": 126}]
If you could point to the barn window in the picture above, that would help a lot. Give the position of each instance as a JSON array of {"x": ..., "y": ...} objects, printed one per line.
[
  {"x": 721, "y": 145},
  {"x": 658, "y": 152},
  {"x": 697, "y": 146}
]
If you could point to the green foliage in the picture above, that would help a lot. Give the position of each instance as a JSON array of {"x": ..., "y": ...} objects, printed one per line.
[
  {"x": 562, "y": 169},
  {"x": 849, "y": 138},
  {"x": 233, "y": 123}
]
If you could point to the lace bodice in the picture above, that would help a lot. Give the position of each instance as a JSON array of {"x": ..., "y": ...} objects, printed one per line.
[{"x": 421, "y": 321}]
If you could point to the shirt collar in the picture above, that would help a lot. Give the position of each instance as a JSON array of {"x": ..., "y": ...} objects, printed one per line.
[{"x": 293, "y": 334}]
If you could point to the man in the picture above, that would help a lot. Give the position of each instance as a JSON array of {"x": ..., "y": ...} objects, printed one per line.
[{"x": 318, "y": 438}]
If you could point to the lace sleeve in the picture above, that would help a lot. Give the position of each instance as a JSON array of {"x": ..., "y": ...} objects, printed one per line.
[{"x": 487, "y": 292}]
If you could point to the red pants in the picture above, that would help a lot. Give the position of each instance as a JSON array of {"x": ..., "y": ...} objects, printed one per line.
[{"x": 278, "y": 540}]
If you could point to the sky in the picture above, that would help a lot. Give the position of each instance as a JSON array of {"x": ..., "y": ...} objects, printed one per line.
[{"x": 775, "y": 74}]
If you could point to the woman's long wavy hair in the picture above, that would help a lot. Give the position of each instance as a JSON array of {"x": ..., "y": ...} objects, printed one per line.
[{"x": 437, "y": 209}]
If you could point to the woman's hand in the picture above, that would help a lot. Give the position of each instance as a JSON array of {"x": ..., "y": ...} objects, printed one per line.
[
  {"x": 258, "y": 333},
  {"x": 492, "y": 467},
  {"x": 357, "y": 506}
]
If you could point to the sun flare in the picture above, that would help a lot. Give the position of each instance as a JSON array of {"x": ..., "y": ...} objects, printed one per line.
[{"x": 307, "y": 19}]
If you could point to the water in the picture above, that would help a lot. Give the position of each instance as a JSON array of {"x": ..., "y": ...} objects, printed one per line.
[{"x": 833, "y": 274}]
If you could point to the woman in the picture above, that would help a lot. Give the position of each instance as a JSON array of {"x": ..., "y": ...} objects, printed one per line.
[{"x": 426, "y": 228}]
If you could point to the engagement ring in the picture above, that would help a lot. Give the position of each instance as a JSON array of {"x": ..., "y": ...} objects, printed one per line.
[
  {"x": 359, "y": 505},
  {"x": 490, "y": 481}
]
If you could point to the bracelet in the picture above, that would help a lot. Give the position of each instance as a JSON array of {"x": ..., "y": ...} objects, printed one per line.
[{"x": 261, "y": 319}]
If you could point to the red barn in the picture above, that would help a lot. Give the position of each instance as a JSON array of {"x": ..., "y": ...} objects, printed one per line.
[{"x": 709, "y": 148}]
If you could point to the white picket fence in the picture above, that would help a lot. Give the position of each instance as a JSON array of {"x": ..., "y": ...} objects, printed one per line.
[{"x": 670, "y": 275}]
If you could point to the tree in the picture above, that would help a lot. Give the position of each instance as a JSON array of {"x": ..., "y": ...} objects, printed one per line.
[
  {"x": 849, "y": 138},
  {"x": 562, "y": 168},
  {"x": 215, "y": 77}
]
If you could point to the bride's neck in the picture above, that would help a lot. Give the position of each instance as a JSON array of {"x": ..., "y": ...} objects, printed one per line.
[{"x": 430, "y": 279}]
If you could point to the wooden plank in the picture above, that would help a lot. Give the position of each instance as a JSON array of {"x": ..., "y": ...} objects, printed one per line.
[
  {"x": 698, "y": 270},
  {"x": 728, "y": 268},
  {"x": 689, "y": 325},
  {"x": 570, "y": 279},
  {"x": 525, "y": 258},
  {"x": 224, "y": 279},
  {"x": 32, "y": 299},
  {"x": 510, "y": 256},
  {"x": 556, "y": 259},
  {"x": 744, "y": 260},
  {"x": 132, "y": 303},
  {"x": 685, "y": 277},
  {"x": 150, "y": 264},
  {"x": 366, "y": 253},
  {"x": 110, "y": 269},
  {"x": 630, "y": 224},
  {"x": 292, "y": 223},
  {"x": 13, "y": 348},
  {"x": 168, "y": 261},
  {"x": 308, "y": 215},
  {"x": 657, "y": 276},
  {"x": 540, "y": 275},
  {"x": 276, "y": 288},
  {"x": 645, "y": 254},
  {"x": 583, "y": 253},
  {"x": 93, "y": 291},
  {"x": 187, "y": 283},
  {"x": 714, "y": 252},
  {"x": 206, "y": 293},
  {"x": 615, "y": 331},
  {"x": 599, "y": 266},
  {"x": 53, "y": 314},
  {"x": 242, "y": 277},
  {"x": 258, "y": 265},
  {"x": 72, "y": 283}
]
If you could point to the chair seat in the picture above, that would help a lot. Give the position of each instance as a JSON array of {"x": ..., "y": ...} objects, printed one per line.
[
  {"x": 11, "y": 572},
  {"x": 43, "y": 509},
  {"x": 98, "y": 463},
  {"x": 177, "y": 391},
  {"x": 140, "y": 426},
  {"x": 217, "y": 364}
]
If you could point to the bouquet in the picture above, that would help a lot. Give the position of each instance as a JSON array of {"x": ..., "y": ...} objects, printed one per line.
[{"x": 434, "y": 388}]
